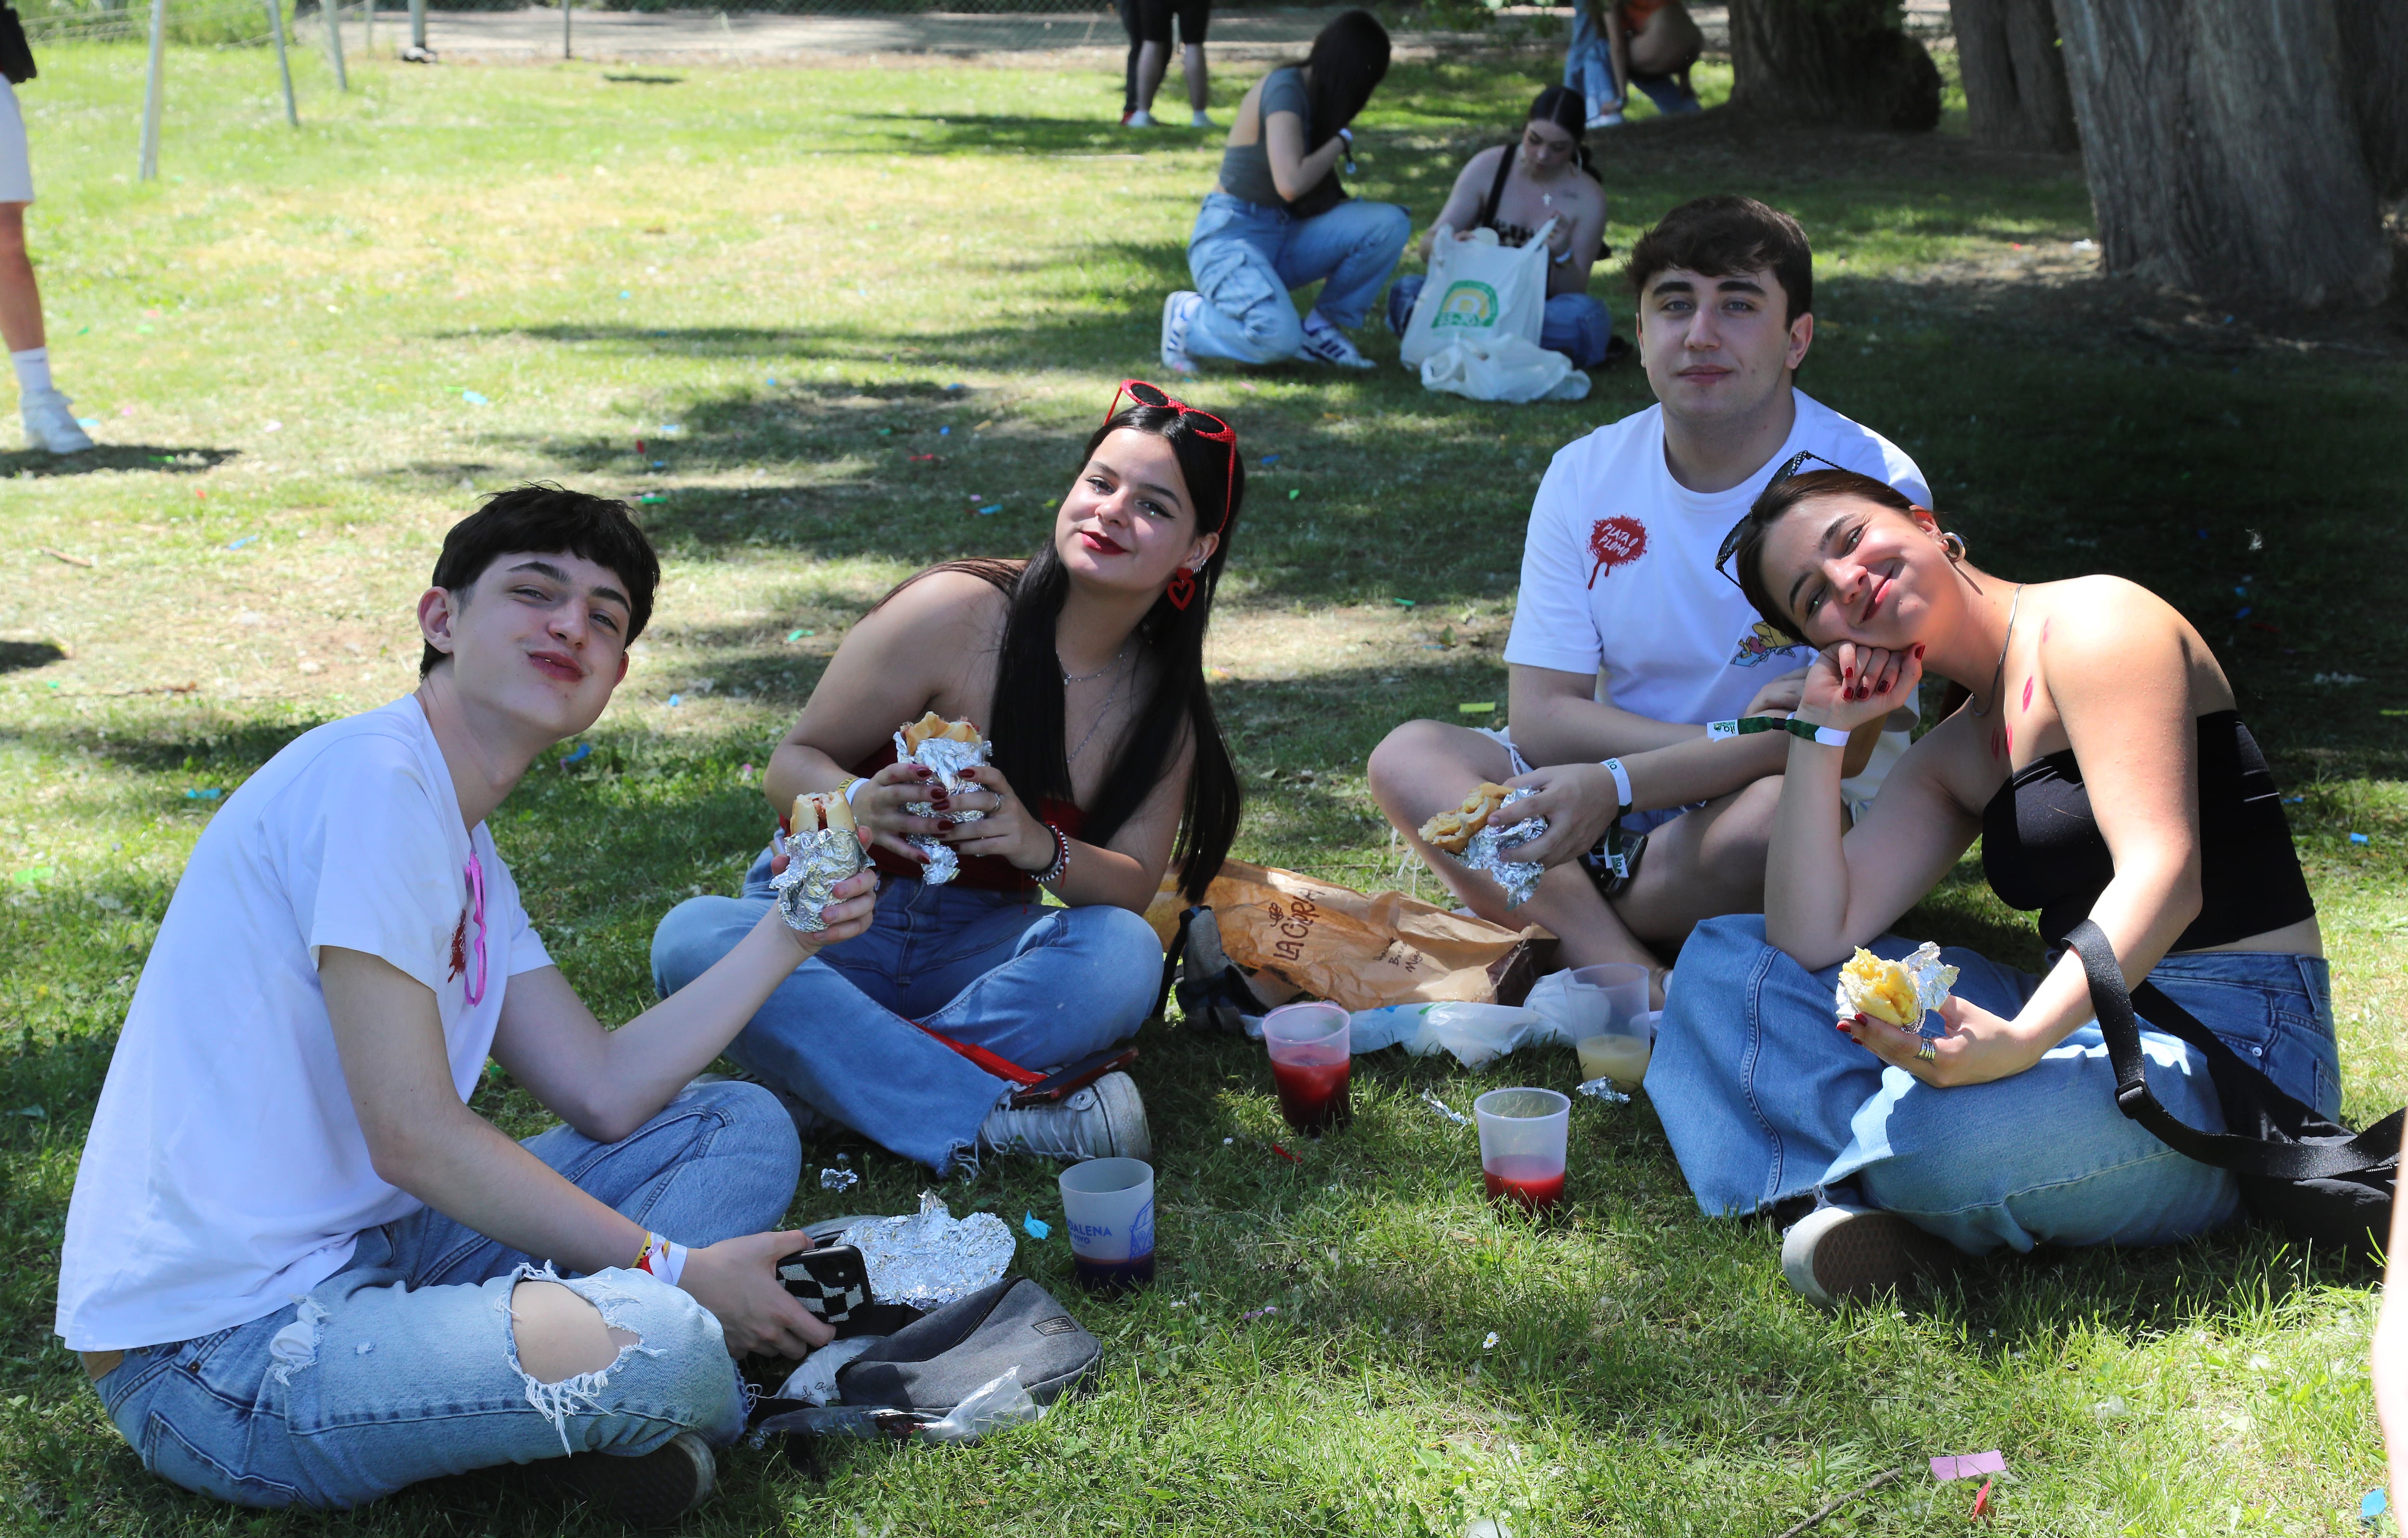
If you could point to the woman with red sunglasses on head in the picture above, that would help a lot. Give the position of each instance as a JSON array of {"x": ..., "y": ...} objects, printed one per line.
[{"x": 1083, "y": 666}]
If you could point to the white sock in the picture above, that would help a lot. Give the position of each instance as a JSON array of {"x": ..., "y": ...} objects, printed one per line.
[{"x": 32, "y": 370}]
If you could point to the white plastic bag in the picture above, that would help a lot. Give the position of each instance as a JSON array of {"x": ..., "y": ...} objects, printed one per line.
[
  {"x": 1502, "y": 368},
  {"x": 1480, "y": 289},
  {"x": 1476, "y": 1033},
  {"x": 994, "y": 1404}
]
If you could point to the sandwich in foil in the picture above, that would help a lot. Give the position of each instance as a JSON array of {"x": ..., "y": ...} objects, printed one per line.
[
  {"x": 821, "y": 848},
  {"x": 948, "y": 748},
  {"x": 1901, "y": 992}
]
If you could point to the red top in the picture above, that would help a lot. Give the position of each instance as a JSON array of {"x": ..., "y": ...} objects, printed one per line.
[{"x": 984, "y": 871}]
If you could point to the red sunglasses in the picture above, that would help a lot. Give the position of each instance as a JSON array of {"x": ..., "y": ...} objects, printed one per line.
[{"x": 1212, "y": 428}]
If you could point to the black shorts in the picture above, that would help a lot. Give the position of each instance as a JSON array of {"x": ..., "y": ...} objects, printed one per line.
[{"x": 1153, "y": 20}]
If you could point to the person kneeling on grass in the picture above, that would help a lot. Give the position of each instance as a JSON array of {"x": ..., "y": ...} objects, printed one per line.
[
  {"x": 1278, "y": 219},
  {"x": 1515, "y": 189},
  {"x": 1083, "y": 667},
  {"x": 300, "y": 1270},
  {"x": 2099, "y": 759}
]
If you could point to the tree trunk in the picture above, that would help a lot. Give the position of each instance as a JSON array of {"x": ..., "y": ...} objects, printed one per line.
[
  {"x": 2375, "y": 54},
  {"x": 1831, "y": 60},
  {"x": 2015, "y": 97},
  {"x": 2221, "y": 150}
]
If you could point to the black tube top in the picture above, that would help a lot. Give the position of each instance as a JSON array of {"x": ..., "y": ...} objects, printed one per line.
[{"x": 2041, "y": 847}]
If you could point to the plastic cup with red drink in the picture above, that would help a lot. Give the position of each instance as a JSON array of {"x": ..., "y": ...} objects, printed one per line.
[
  {"x": 1311, "y": 1063},
  {"x": 1523, "y": 1135}
]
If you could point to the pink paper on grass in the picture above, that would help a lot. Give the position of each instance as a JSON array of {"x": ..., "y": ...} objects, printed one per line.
[{"x": 1965, "y": 1466}]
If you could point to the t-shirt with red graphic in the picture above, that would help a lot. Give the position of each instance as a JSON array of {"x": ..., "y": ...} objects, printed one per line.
[
  {"x": 1618, "y": 570},
  {"x": 226, "y": 1170}
]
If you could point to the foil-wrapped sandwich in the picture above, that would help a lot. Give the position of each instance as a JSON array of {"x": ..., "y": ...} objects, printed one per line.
[
  {"x": 1901, "y": 992},
  {"x": 948, "y": 748},
  {"x": 821, "y": 848},
  {"x": 1485, "y": 847},
  {"x": 1452, "y": 830}
]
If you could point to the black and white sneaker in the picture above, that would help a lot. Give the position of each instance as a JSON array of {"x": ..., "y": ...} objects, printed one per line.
[
  {"x": 650, "y": 1492},
  {"x": 1835, "y": 1255}
]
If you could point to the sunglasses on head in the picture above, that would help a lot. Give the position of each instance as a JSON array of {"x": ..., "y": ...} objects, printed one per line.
[
  {"x": 1202, "y": 423},
  {"x": 1730, "y": 541}
]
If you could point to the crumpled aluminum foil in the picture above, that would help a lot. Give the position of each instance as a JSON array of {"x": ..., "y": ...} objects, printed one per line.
[
  {"x": 1486, "y": 852},
  {"x": 948, "y": 758},
  {"x": 816, "y": 862},
  {"x": 839, "y": 1180},
  {"x": 1930, "y": 977},
  {"x": 931, "y": 1258}
]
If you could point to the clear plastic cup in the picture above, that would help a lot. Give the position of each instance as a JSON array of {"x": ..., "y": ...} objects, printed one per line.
[
  {"x": 1108, "y": 1205},
  {"x": 1523, "y": 1135},
  {"x": 1621, "y": 1051},
  {"x": 1625, "y": 984},
  {"x": 1311, "y": 1063}
]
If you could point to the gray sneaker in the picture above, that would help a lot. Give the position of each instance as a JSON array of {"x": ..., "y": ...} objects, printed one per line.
[
  {"x": 1327, "y": 344},
  {"x": 1104, "y": 1120},
  {"x": 649, "y": 1491},
  {"x": 1178, "y": 314},
  {"x": 1835, "y": 1255},
  {"x": 51, "y": 423}
]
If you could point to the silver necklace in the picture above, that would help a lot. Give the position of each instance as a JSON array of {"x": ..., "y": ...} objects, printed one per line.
[
  {"x": 1088, "y": 677},
  {"x": 1999, "y": 674},
  {"x": 1103, "y": 713}
]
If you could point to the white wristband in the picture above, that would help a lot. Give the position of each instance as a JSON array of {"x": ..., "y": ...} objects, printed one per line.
[
  {"x": 663, "y": 1258},
  {"x": 1621, "y": 782},
  {"x": 852, "y": 789},
  {"x": 1831, "y": 736}
]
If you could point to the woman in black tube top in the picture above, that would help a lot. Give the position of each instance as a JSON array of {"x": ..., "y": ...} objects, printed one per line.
[{"x": 2098, "y": 757}]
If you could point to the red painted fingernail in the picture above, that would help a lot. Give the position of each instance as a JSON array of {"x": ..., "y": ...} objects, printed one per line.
[{"x": 1918, "y": 652}]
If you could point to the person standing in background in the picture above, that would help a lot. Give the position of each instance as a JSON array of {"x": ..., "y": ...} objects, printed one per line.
[
  {"x": 50, "y": 419},
  {"x": 1153, "y": 17},
  {"x": 1617, "y": 44}
]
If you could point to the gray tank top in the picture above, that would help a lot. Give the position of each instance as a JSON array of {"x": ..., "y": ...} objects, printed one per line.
[{"x": 1246, "y": 168}]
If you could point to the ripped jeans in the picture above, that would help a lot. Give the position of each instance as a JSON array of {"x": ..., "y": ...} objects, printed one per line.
[{"x": 402, "y": 1366}]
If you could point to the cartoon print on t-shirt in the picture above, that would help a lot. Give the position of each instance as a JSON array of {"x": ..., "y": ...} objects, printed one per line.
[
  {"x": 1615, "y": 542},
  {"x": 1761, "y": 642}
]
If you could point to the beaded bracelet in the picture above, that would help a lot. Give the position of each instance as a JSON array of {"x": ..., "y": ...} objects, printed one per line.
[{"x": 1052, "y": 873}]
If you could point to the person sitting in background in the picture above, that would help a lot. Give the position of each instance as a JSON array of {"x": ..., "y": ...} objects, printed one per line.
[
  {"x": 1154, "y": 19},
  {"x": 1514, "y": 190},
  {"x": 1278, "y": 218},
  {"x": 1084, "y": 666},
  {"x": 1617, "y": 44}
]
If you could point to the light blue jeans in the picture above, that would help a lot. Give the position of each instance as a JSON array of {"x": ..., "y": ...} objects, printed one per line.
[
  {"x": 403, "y": 1366},
  {"x": 1763, "y": 1099},
  {"x": 1588, "y": 69},
  {"x": 1578, "y": 325},
  {"x": 1246, "y": 256},
  {"x": 1038, "y": 987}
]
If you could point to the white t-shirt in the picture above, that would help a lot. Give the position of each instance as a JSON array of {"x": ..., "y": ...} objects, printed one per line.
[
  {"x": 226, "y": 1172},
  {"x": 1618, "y": 570}
]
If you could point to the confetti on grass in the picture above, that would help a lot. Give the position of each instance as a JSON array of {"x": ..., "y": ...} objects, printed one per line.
[
  {"x": 1034, "y": 1227},
  {"x": 1965, "y": 1466}
]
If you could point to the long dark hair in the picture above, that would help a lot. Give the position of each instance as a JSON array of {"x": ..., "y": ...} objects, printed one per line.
[
  {"x": 1025, "y": 721},
  {"x": 1348, "y": 61},
  {"x": 1563, "y": 107}
]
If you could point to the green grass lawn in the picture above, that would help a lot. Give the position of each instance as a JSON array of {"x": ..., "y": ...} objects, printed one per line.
[{"x": 308, "y": 350}]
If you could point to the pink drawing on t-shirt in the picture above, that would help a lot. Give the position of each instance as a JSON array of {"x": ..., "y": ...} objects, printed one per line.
[{"x": 1615, "y": 542}]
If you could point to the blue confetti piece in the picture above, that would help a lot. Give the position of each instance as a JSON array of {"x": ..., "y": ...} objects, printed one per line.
[
  {"x": 2203, "y": 533},
  {"x": 956, "y": 387},
  {"x": 660, "y": 465},
  {"x": 944, "y": 432},
  {"x": 991, "y": 507},
  {"x": 2241, "y": 592},
  {"x": 773, "y": 378},
  {"x": 624, "y": 294},
  {"x": 2372, "y": 1506},
  {"x": 1271, "y": 459},
  {"x": 209, "y": 793},
  {"x": 2293, "y": 801},
  {"x": 1034, "y": 1227},
  {"x": 676, "y": 700},
  {"x": 239, "y": 544},
  {"x": 584, "y": 750},
  {"x": 2243, "y": 613},
  {"x": 2359, "y": 839}
]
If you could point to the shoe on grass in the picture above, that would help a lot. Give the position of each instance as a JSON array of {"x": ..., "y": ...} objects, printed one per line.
[
  {"x": 1835, "y": 1255},
  {"x": 1326, "y": 344},
  {"x": 51, "y": 424},
  {"x": 1139, "y": 118},
  {"x": 1201, "y": 120},
  {"x": 1178, "y": 316},
  {"x": 1104, "y": 1120},
  {"x": 650, "y": 1491}
]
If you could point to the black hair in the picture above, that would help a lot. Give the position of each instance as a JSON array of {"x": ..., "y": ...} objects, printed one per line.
[
  {"x": 1776, "y": 502},
  {"x": 1723, "y": 235},
  {"x": 543, "y": 518},
  {"x": 1563, "y": 107},
  {"x": 1348, "y": 61},
  {"x": 1025, "y": 722}
]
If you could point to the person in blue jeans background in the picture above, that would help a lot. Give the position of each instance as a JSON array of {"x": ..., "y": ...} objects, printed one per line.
[
  {"x": 1083, "y": 666},
  {"x": 2097, "y": 755},
  {"x": 1278, "y": 219},
  {"x": 1514, "y": 189},
  {"x": 1617, "y": 44}
]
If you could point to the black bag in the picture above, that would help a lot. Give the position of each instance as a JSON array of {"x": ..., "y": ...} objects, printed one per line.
[
  {"x": 16, "y": 54},
  {"x": 2316, "y": 1180}
]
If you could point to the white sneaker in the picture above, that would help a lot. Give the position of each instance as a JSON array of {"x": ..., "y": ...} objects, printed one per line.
[
  {"x": 1104, "y": 1120},
  {"x": 1201, "y": 120},
  {"x": 1178, "y": 314},
  {"x": 1835, "y": 1255},
  {"x": 51, "y": 423},
  {"x": 1139, "y": 118},
  {"x": 1606, "y": 120},
  {"x": 1326, "y": 344}
]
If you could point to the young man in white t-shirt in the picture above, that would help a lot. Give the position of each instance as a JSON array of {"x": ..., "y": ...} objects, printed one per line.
[
  {"x": 300, "y": 1270},
  {"x": 1627, "y": 642}
]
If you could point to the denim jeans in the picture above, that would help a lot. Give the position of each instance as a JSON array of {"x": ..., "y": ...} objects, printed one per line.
[
  {"x": 402, "y": 1366},
  {"x": 1037, "y": 986},
  {"x": 1763, "y": 1100},
  {"x": 1578, "y": 325},
  {"x": 1588, "y": 69},
  {"x": 1246, "y": 256}
]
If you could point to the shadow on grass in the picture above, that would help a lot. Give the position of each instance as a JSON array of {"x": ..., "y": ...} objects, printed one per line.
[
  {"x": 16, "y": 656},
  {"x": 163, "y": 459}
]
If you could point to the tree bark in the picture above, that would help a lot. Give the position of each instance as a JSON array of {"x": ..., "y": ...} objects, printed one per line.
[
  {"x": 1831, "y": 60},
  {"x": 2015, "y": 96},
  {"x": 2375, "y": 54},
  {"x": 2221, "y": 150}
]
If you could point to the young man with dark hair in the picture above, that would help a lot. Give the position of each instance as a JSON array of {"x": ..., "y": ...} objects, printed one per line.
[
  {"x": 300, "y": 1270},
  {"x": 1628, "y": 641}
]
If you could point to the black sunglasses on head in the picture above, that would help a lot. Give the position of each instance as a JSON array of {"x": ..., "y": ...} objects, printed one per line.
[{"x": 1730, "y": 541}]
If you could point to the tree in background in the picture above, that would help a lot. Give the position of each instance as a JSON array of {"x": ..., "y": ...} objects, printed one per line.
[
  {"x": 2015, "y": 93},
  {"x": 1831, "y": 61},
  {"x": 2238, "y": 149}
]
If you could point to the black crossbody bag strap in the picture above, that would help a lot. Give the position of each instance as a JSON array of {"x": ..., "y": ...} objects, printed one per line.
[{"x": 2242, "y": 1155}]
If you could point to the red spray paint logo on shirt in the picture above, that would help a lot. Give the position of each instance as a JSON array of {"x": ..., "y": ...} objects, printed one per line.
[
  {"x": 460, "y": 947},
  {"x": 1615, "y": 542}
]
